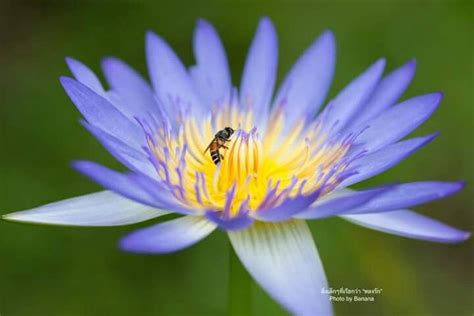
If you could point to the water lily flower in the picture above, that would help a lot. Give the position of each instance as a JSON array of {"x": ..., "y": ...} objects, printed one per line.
[{"x": 288, "y": 161}]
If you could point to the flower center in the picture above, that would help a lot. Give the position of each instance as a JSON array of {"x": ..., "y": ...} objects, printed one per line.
[{"x": 258, "y": 169}]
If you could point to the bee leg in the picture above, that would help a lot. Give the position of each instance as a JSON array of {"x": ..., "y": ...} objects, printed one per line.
[
  {"x": 225, "y": 147},
  {"x": 222, "y": 156}
]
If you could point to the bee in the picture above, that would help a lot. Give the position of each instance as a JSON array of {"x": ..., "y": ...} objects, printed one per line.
[{"x": 218, "y": 142}]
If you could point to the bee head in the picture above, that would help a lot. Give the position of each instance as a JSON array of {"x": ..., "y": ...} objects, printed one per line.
[{"x": 229, "y": 130}]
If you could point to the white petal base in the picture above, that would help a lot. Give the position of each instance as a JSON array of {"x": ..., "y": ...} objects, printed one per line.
[{"x": 283, "y": 259}]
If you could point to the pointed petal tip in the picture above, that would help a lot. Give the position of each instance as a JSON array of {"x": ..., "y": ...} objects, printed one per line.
[
  {"x": 328, "y": 35},
  {"x": 452, "y": 187},
  {"x": 412, "y": 63},
  {"x": 327, "y": 40},
  {"x": 6, "y": 217},
  {"x": 431, "y": 99},
  {"x": 81, "y": 166},
  {"x": 457, "y": 237},
  {"x": 111, "y": 66},
  {"x": 409, "y": 224},
  {"x": 83, "y": 74},
  {"x": 69, "y": 60},
  {"x": 16, "y": 217},
  {"x": 407, "y": 70},
  {"x": 380, "y": 63},
  {"x": 461, "y": 184},
  {"x": 374, "y": 71},
  {"x": 432, "y": 136},
  {"x": 204, "y": 30},
  {"x": 425, "y": 104},
  {"x": 109, "y": 60},
  {"x": 66, "y": 81},
  {"x": 131, "y": 245},
  {"x": 456, "y": 186},
  {"x": 126, "y": 244},
  {"x": 465, "y": 236},
  {"x": 151, "y": 36},
  {"x": 266, "y": 25},
  {"x": 149, "y": 33},
  {"x": 203, "y": 24},
  {"x": 72, "y": 62},
  {"x": 265, "y": 20},
  {"x": 425, "y": 140},
  {"x": 439, "y": 95}
]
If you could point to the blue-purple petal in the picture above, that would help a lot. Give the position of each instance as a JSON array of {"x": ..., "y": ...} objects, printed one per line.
[
  {"x": 383, "y": 159},
  {"x": 409, "y": 224},
  {"x": 137, "y": 98},
  {"x": 233, "y": 223},
  {"x": 99, "y": 112},
  {"x": 259, "y": 73},
  {"x": 136, "y": 186},
  {"x": 123, "y": 184},
  {"x": 338, "y": 203},
  {"x": 169, "y": 77},
  {"x": 347, "y": 103},
  {"x": 305, "y": 87},
  {"x": 408, "y": 195},
  {"x": 211, "y": 73},
  {"x": 130, "y": 157},
  {"x": 283, "y": 259},
  {"x": 96, "y": 209},
  {"x": 398, "y": 121},
  {"x": 287, "y": 209},
  {"x": 85, "y": 75},
  {"x": 387, "y": 92},
  {"x": 169, "y": 236}
]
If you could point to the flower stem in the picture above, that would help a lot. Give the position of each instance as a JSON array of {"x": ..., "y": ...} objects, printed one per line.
[{"x": 240, "y": 287}]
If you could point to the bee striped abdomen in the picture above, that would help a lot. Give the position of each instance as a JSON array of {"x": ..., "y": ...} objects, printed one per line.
[{"x": 215, "y": 157}]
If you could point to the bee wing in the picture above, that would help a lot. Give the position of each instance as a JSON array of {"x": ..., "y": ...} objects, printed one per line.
[{"x": 209, "y": 146}]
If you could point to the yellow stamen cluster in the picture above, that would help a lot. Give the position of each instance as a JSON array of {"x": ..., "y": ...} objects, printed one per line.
[{"x": 259, "y": 170}]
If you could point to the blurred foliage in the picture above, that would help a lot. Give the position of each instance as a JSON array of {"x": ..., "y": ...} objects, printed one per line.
[{"x": 79, "y": 271}]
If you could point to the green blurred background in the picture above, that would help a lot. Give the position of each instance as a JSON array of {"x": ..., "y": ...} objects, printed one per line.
[{"x": 79, "y": 271}]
